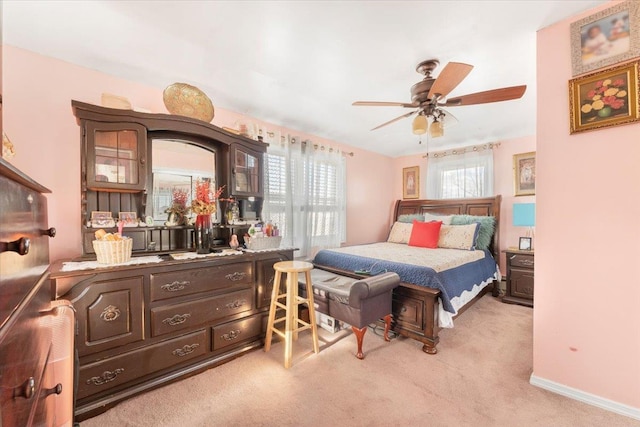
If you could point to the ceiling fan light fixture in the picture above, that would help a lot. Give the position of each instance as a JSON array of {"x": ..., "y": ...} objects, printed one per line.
[
  {"x": 436, "y": 129},
  {"x": 419, "y": 125}
]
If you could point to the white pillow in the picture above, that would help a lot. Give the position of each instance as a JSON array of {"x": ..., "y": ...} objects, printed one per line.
[
  {"x": 446, "y": 219},
  {"x": 458, "y": 236},
  {"x": 400, "y": 232}
]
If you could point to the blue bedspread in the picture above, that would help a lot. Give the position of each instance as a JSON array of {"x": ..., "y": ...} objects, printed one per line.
[{"x": 451, "y": 282}]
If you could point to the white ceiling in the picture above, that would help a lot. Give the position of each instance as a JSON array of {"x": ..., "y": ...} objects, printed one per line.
[{"x": 301, "y": 64}]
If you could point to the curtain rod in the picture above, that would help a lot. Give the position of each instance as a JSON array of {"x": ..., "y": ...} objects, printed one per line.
[
  {"x": 321, "y": 147},
  {"x": 463, "y": 150}
]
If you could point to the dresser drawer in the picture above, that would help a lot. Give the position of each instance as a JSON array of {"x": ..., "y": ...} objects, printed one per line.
[
  {"x": 191, "y": 281},
  {"x": 407, "y": 312},
  {"x": 176, "y": 317},
  {"x": 236, "y": 331},
  {"x": 112, "y": 372},
  {"x": 520, "y": 260},
  {"x": 24, "y": 348}
]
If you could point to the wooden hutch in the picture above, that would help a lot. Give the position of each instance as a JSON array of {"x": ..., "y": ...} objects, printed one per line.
[{"x": 142, "y": 326}]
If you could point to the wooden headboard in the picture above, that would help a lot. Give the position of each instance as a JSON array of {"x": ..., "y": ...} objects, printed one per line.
[{"x": 487, "y": 206}]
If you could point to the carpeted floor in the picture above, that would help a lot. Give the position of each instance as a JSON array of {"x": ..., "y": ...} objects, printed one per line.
[{"x": 480, "y": 377}]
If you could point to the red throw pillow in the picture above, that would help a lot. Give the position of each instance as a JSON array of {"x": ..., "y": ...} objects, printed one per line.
[{"x": 425, "y": 234}]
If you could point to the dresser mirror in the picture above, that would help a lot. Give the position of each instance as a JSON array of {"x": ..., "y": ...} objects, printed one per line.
[{"x": 176, "y": 166}]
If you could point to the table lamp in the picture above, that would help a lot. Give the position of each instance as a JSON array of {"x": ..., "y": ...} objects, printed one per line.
[{"x": 524, "y": 215}]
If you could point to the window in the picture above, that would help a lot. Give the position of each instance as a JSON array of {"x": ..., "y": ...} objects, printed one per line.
[
  {"x": 468, "y": 173},
  {"x": 304, "y": 196}
]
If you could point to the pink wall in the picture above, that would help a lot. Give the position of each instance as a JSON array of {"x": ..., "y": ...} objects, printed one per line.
[
  {"x": 37, "y": 94},
  {"x": 587, "y": 296}
]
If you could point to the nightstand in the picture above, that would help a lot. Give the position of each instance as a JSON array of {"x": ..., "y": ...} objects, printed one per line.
[{"x": 519, "y": 277}]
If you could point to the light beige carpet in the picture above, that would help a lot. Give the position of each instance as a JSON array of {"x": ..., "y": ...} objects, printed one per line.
[{"x": 480, "y": 377}]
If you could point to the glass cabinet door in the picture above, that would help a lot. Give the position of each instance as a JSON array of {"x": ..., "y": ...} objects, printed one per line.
[
  {"x": 116, "y": 156},
  {"x": 246, "y": 176}
]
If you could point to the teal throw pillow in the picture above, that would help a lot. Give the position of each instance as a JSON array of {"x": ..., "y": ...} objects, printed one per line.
[
  {"x": 410, "y": 217},
  {"x": 487, "y": 227}
]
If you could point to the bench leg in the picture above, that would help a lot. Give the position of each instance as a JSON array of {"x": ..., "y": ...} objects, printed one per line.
[
  {"x": 359, "y": 333},
  {"x": 387, "y": 326}
]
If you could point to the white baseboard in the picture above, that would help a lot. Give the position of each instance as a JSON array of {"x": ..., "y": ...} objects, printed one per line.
[{"x": 588, "y": 398}]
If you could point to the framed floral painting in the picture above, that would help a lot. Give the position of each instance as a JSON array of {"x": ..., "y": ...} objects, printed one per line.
[{"x": 604, "y": 98}]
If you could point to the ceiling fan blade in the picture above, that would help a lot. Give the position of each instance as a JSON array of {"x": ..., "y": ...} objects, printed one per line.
[
  {"x": 495, "y": 95},
  {"x": 384, "y": 104},
  {"x": 450, "y": 77},
  {"x": 395, "y": 120}
]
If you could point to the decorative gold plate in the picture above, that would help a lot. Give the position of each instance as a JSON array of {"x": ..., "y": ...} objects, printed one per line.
[{"x": 189, "y": 101}]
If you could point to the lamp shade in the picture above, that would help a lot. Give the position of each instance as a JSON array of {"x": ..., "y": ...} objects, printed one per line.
[
  {"x": 436, "y": 129},
  {"x": 524, "y": 214},
  {"x": 420, "y": 125}
]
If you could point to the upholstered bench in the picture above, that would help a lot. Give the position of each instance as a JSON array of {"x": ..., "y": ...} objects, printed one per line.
[{"x": 357, "y": 302}]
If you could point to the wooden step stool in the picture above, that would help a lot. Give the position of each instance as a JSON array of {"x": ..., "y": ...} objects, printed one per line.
[{"x": 292, "y": 300}]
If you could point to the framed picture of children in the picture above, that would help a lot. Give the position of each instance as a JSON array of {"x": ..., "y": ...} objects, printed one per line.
[{"x": 605, "y": 38}]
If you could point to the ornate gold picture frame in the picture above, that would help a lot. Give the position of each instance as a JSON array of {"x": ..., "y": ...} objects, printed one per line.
[
  {"x": 604, "y": 98},
  {"x": 524, "y": 168},
  {"x": 411, "y": 182}
]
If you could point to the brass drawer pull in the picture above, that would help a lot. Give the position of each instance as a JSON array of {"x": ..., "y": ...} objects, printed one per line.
[
  {"x": 186, "y": 349},
  {"x": 106, "y": 377},
  {"x": 178, "y": 319},
  {"x": 110, "y": 313},
  {"x": 236, "y": 304},
  {"x": 231, "y": 335},
  {"x": 526, "y": 261},
  {"x": 175, "y": 286},
  {"x": 26, "y": 389},
  {"x": 235, "y": 276}
]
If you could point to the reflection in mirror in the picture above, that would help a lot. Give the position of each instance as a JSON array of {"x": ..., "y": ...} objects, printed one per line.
[{"x": 176, "y": 166}]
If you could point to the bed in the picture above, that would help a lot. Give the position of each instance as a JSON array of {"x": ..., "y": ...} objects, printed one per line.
[{"x": 433, "y": 291}]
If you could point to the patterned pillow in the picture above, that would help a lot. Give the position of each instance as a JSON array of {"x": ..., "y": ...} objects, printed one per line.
[
  {"x": 487, "y": 227},
  {"x": 458, "y": 236},
  {"x": 446, "y": 219},
  {"x": 400, "y": 233}
]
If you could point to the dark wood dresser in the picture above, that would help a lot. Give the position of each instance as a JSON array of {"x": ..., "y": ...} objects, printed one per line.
[
  {"x": 142, "y": 326},
  {"x": 519, "y": 277},
  {"x": 36, "y": 334}
]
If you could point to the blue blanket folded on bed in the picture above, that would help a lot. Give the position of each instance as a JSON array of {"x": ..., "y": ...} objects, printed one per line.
[{"x": 451, "y": 283}]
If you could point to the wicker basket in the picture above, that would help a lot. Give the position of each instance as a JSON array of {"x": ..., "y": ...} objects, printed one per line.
[
  {"x": 260, "y": 243},
  {"x": 113, "y": 251}
]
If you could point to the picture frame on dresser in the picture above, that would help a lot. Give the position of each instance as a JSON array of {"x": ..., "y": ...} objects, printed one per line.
[{"x": 524, "y": 244}]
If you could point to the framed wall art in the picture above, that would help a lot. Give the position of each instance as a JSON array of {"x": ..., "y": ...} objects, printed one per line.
[
  {"x": 606, "y": 38},
  {"x": 411, "y": 182},
  {"x": 604, "y": 98},
  {"x": 524, "y": 166}
]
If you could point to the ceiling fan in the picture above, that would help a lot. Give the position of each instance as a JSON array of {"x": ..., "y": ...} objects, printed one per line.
[{"x": 430, "y": 95}]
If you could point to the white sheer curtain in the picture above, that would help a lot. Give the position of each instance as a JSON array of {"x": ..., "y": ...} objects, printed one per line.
[
  {"x": 460, "y": 174},
  {"x": 305, "y": 195}
]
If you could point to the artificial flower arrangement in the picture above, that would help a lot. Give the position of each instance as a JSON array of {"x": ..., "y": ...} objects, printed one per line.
[
  {"x": 179, "y": 206},
  {"x": 204, "y": 202}
]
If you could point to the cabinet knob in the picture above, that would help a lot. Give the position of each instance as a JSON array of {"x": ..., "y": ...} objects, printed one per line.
[
  {"x": 55, "y": 390},
  {"x": 21, "y": 246},
  {"x": 26, "y": 390},
  {"x": 51, "y": 232}
]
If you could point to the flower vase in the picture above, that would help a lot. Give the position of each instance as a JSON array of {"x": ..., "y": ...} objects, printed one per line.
[{"x": 203, "y": 233}]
